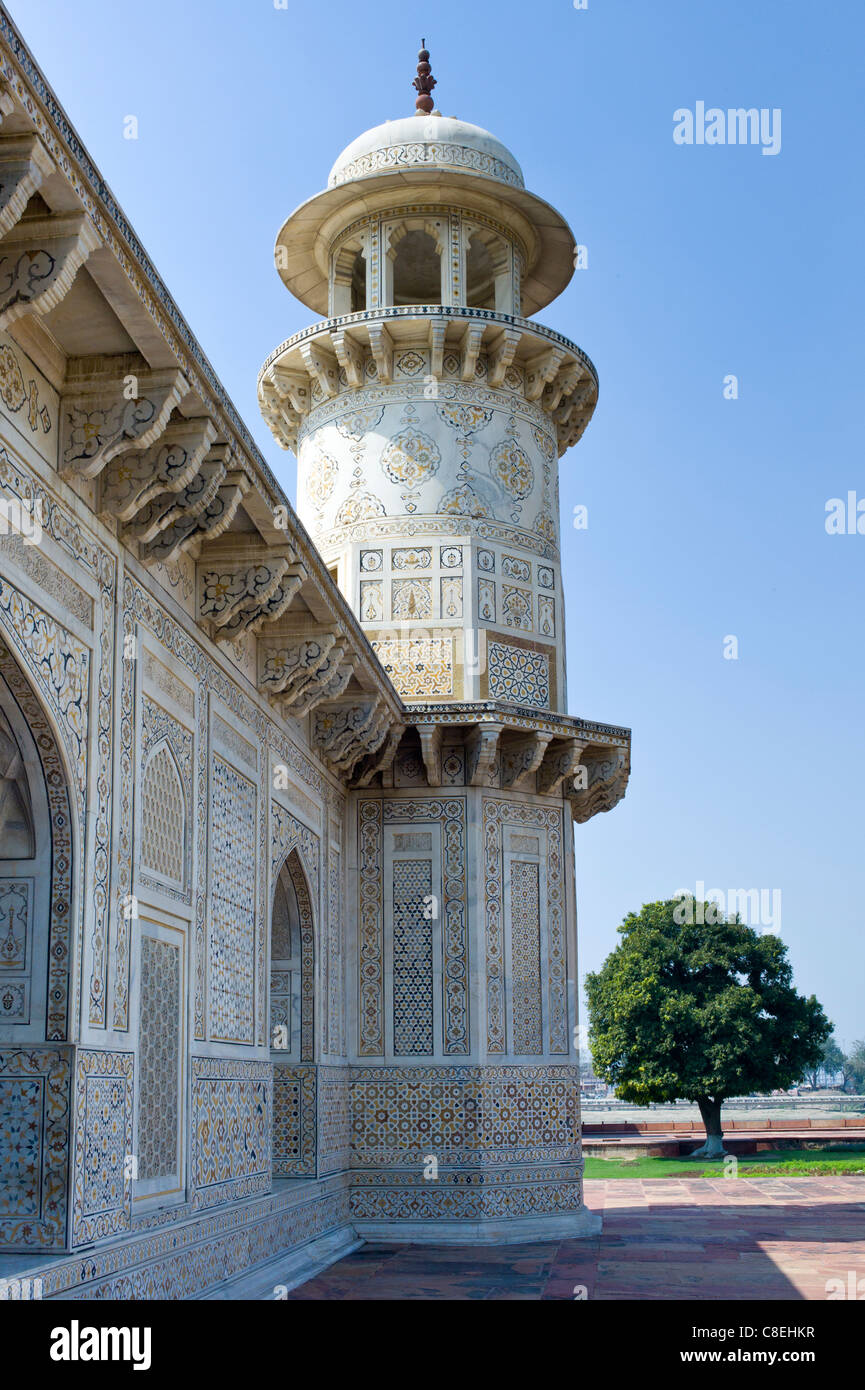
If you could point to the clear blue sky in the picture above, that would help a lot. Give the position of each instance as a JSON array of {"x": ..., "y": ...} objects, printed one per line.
[{"x": 706, "y": 516}]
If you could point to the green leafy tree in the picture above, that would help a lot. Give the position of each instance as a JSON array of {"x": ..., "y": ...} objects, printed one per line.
[
  {"x": 854, "y": 1070},
  {"x": 695, "y": 1007},
  {"x": 831, "y": 1062}
]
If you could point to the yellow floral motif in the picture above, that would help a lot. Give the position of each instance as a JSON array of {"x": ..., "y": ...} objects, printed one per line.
[
  {"x": 411, "y": 458},
  {"x": 358, "y": 508},
  {"x": 321, "y": 480},
  {"x": 511, "y": 467}
]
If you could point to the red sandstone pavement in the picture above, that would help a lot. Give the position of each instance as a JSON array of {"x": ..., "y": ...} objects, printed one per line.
[{"x": 663, "y": 1239}]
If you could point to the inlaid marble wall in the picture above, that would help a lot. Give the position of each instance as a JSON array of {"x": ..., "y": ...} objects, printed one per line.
[{"x": 438, "y": 502}]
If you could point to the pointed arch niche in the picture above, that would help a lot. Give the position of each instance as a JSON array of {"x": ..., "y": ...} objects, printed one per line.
[
  {"x": 292, "y": 964},
  {"x": 292, "y": 1021},
  {"x": 36, "y": 833}
]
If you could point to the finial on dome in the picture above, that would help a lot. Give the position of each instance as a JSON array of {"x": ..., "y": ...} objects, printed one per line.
[{"x": 424, "y": 82}]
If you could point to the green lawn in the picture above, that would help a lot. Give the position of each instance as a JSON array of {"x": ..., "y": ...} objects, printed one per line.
[{"x": 772, "y": 1162}]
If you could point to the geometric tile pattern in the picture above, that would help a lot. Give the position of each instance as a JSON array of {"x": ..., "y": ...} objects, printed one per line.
[
  {"x": 293, "y": 1121},
  {"x": 526, "y": 957},
  {"x": 334, "y": 1119},
  {"x": 231, "y": 1136},
  {"x": 34, "y": 1141},
  {"x": 103, "y": 1142},
  {"x": 163, "y": 816},
  {"x": 295, "y": 849},
  {"x": 158, "y": 1058},
  {"x": 419, "y": 667},
  {"x": 412, "y": 958},
  {"x": 451, "y": 816},
  {"x": 231, "y": 948},
  {"x": 497, "y": 1115},
  {"x": 166, "y": 800},
  {"x": 522, "y": 815},
  {"x": 518, "y": 675}
]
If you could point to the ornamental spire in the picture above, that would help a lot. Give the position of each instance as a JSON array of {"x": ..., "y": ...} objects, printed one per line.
[{"x": 424, "y": 82}]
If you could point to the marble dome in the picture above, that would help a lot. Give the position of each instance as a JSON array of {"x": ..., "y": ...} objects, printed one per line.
[{"x": 426, "y": 141}]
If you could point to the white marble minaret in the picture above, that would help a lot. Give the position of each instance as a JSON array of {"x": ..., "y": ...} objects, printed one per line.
[{"x": 428, "y": 412}]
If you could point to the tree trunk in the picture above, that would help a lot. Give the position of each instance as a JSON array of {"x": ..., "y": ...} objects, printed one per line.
[{"x": 714, "y": 1145}]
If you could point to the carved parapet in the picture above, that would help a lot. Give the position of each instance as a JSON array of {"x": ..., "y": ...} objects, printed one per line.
[
  {"x": 188, "y": 531},
  {"x": 137, "y": 476},
  {"x": 286, "y": 663},
  {"x": 600, "y": 781},
  {"x": 521, "y": 759},
  {"x": 24, "y": 163},
  {"x": 39, "y": 259},
  {"x": 110, "y": 404}
]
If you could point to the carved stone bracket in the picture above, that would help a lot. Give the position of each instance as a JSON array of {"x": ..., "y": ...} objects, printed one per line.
[
  {"x": 382, "y": 351},
  {"x": 560, "y": 761},
  {"x": 437, "y": 331},
  {"x": 188, "y": 531},
  {"x": 111, "y": 404},
  {"x": 137, "y": 476},
  {"x": 329, "y": 681},
  {"x": 481, "y": 747},
  {"x": 540, "y": 370},
  {"x": 24, "y": 164},
  {"x": 607, "y": 771},
  {"x": 346, "y": 730},
  {"x": 349, "y": 354},
  {"x": 227, "y": 591},
  {"x": 522, "y": 759},
  {"x": 285, "y": 664},
  {"x": 39, "y": 259},
  {"x": 501, "y": 354},
  {"x": 431, "y": 751},
  {"x": 469, "y": 349},
  {"x": 321, "y": 365},
  {"x": 374, "y": 763},
  {"x": 191, "y": 501}
]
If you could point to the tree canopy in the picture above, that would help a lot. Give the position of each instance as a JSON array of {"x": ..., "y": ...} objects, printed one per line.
[{"x": 699, "y": 1011}]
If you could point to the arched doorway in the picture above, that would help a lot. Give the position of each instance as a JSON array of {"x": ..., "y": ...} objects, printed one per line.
[
  {"x": 35, "y": 867},
  {"x": 292, "y": 1022},
  {"x": 37, "y": 832}
]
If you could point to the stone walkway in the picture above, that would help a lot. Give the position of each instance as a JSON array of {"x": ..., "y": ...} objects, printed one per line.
[{"x": 701, "y": 1238}]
